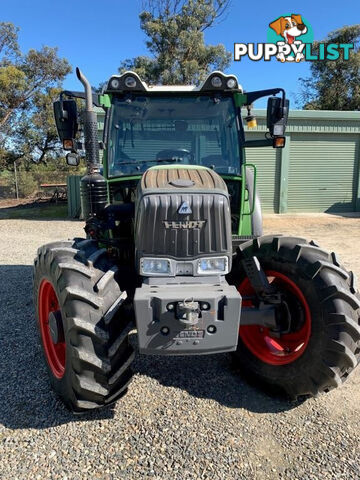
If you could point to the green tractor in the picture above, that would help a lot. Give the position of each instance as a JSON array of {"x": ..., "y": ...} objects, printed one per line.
[{"x": 174, "y": 246}]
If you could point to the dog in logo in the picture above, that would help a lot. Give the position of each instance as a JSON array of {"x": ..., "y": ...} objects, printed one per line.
[{"x": 289, "y": 28}]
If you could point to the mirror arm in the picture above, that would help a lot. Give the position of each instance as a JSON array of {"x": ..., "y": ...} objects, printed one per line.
[
  {"x": 266, "y": 142},
  {"x": 72, "y": 94},
  {"x": 253, "y": 96}
]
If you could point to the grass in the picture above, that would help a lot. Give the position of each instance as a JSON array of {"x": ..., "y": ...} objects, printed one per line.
[{"x": 35, "y": 213}]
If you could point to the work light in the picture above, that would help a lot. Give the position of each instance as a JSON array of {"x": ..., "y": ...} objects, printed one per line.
[
  {"x": 231, "y": 83},
  {"x": 114, "y": 83},
  {"x": 216, "y": 82},
  {"x": 130, "y": 82}
]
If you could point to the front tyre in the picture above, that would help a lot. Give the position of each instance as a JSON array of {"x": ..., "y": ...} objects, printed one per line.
[
  {"x": 82, "y": 323},
  {"x": 320, "y": 346}
]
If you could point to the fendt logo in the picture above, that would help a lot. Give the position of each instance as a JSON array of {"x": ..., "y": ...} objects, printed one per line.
[
  {"x": 189, "y": 224},
  {"x": 290, "y": 39},
  {"x": 185, "y": 209}
]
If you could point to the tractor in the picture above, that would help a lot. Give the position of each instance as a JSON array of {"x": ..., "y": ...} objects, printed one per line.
[{"x": 174, "y": 247}]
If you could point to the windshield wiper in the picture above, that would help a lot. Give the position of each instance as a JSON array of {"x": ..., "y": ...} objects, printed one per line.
[{"x": 150, "y": 161}]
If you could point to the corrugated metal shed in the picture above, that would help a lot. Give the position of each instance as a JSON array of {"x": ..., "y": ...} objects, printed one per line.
[
  {"x": 319, "y": 169},
  {"x": 73, "y": 193}
]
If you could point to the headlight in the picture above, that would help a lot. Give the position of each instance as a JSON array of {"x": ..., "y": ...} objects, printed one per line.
[
  {"x": 212, "y": 265},
  {"x": 155, "y": 266}
]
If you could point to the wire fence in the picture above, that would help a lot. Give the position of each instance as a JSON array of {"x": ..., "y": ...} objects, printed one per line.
[{"x": 29, "y": 183}]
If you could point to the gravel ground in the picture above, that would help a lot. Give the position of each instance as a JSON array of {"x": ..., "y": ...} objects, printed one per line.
[{"x": 183, "y": 418}]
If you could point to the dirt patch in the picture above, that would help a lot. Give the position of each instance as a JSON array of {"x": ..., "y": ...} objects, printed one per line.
[{"x": 340, "y": 234}]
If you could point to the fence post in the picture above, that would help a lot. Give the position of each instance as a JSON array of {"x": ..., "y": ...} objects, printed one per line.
[
  {"x": 16, "y": 181},
  {"x": 284, "y": 175}
]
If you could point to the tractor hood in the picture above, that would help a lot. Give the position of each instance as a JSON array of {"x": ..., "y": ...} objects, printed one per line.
[{"x": 182, "y": 213}]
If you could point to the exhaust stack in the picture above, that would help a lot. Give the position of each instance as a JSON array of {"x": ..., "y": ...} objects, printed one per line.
[
  {"x": 90, "y": 128},
  {"x": 93, "y": 186}
]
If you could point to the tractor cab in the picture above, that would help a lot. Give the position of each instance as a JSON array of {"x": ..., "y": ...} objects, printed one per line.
[{"x": 181, "y": 124}]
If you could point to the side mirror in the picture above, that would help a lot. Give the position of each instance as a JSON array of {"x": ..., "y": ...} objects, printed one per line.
[
  {"x": 72, "y": 159},
  {"x": 277, "y": 116},
  {"x": 65, "y": 113}
]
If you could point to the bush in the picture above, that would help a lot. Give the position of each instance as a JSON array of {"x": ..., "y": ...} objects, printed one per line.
[
  {"x": 30, "y": 176},
  {"x": 7, "y": 184},
  {"x": 27, "y": 185}
]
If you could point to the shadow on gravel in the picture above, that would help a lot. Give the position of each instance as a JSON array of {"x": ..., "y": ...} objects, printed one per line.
[
  {"x": 26, "y": 400},
  {"x": 343, "y": 214},
  {"x": 210, "y": 376},
  {"x": 37, "y": 210}
]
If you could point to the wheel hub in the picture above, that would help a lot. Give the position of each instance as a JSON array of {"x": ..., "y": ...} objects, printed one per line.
[
  {"x": 51, "y": 328},
  {"x": 56, "y": 327},
  {"x": 288, "y": 343}
]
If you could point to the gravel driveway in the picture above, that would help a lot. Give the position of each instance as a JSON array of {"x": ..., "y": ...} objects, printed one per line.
[{"x": 183, "y": 418}]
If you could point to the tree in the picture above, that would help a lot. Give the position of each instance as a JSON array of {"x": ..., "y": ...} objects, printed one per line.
[
  {"x": 334, "y": 85},
  {"x": 35, "y": 137},
  {"x": 28, "y": 83},
  {"x": 9, "y": 39},
  {"x": 176, "y": 41},
  {"x": 22, "y": 79}
]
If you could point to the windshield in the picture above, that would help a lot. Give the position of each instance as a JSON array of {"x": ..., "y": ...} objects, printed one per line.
[{"x": 149, "y": 130}]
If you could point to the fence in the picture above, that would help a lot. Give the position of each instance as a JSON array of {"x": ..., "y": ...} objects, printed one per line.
[{"x": 23, "y": 183}]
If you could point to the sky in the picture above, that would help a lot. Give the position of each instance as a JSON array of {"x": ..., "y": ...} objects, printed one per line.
[{"x": 97, "y": 36}]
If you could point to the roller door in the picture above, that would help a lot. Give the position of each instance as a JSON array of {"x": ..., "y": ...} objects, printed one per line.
[{"x": 321, "y": 173}]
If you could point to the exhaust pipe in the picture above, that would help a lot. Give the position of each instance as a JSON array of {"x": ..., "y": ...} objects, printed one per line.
[
  {"x": 93, "y": 186},
  {"x": 90, "y": 128}
]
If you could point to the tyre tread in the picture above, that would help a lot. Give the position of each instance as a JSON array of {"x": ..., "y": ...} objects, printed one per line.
[
  {"x": 340, "y": 303},
  {"x": 101, "y": 355}
]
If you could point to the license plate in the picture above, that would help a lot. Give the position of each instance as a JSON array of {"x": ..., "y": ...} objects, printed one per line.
[{"x": 191, "y": 334}]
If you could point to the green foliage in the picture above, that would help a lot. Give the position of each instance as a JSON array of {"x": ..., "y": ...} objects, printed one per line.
[
  {"x": 35, "y": 137},
  {"x": 26, "y": 184},
  {"x": 29, "y": 83},
  {"x": 55, "y": 171},
  {"x": 9, "y": 39},
  {"x": 23, "y": 76},
  {"x": 31, "y": 176},
  {"x": 176, "y": 42},
  {"x": 334, "y": 85}
]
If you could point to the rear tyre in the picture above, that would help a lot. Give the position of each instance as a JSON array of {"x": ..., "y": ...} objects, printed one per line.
[
  {"x": 321, "y": 346},
  {"x": 82, "y": 323}
]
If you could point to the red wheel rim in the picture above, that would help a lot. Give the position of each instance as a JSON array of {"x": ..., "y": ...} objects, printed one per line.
[
  {"x": 55, "y": 353},
  {"x": 288, "y": 347}
]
